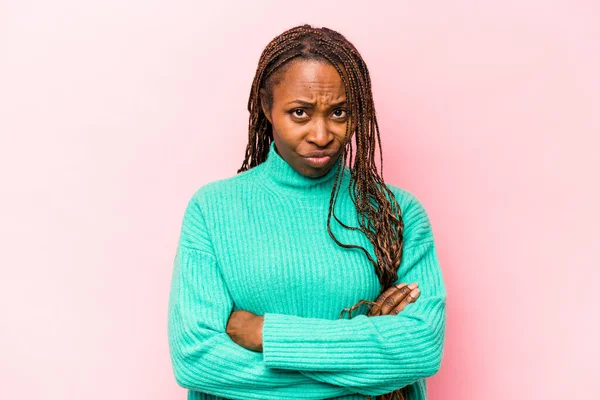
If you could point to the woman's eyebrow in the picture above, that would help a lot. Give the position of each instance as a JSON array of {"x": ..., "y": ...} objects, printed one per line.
[{"x": 311, "y": 104}]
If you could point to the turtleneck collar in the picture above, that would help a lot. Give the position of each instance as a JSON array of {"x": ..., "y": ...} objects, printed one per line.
[{"x": 284, "y": 179}]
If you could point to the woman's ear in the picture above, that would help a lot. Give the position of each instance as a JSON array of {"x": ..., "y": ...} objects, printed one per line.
[{"x": 263, "y": 103}]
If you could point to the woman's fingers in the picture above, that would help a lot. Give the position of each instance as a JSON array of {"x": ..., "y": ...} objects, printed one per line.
[
  {"x": 412, "y": 296},
  {"x": 376, "y": 308},
  {"x": 396, "y": 297},
  {"x": 391, "y": 298}
]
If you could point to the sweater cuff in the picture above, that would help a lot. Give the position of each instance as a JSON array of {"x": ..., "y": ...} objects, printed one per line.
[{"x": 309, "y": 344}]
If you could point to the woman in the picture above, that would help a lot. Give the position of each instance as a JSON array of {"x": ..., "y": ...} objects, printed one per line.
[{"x": 263, "y": 273}]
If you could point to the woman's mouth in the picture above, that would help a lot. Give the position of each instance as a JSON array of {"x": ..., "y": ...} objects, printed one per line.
[{"x": 318, "y": 162}]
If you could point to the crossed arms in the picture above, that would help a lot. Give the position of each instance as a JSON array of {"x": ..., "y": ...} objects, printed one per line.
[{"x": 308, "y": 358}]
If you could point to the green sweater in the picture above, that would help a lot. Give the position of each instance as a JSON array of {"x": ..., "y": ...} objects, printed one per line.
[{"x": 258, "y": 241}]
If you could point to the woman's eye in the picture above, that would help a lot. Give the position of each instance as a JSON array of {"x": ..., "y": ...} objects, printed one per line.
[
  {"x": 298, "y": 112},
  {"x": 340, "y": 113}
]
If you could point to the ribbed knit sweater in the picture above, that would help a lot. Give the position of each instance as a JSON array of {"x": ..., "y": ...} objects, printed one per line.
[{"x": 258, "y": 242}]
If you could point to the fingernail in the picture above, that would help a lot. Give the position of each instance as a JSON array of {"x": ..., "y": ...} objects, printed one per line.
[{"x": 413, "y": 285}]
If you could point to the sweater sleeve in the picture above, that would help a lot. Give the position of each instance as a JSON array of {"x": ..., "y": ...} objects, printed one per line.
[
  {"x": 371, "y": 355},
  {"x": 204, "y": 358}
]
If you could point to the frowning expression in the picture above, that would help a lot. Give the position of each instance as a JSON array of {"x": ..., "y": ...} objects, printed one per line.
[{"x": 308, "y": 114}]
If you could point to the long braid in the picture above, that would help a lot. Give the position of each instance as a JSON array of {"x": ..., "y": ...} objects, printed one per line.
[{"x": 379, "y": 214}]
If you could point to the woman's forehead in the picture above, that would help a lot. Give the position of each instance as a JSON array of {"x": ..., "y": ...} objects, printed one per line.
[{"x": 309, "y": 78}]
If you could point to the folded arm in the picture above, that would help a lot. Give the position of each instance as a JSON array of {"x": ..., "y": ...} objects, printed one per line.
[
  {"x": 204, "y": 357},
  {"x": 371, "y": 355}
]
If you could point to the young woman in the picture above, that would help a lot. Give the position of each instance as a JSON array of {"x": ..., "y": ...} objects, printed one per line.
[{"x": 273, "y": 261}]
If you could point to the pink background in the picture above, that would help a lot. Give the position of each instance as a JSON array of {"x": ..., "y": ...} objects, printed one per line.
[{"x": 113, "y": 113}]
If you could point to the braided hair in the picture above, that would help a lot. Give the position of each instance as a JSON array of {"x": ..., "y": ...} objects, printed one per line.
[{"x": 378, "y": 211}]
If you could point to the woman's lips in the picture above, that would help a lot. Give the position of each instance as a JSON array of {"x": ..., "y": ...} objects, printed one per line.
[{"x": 318, "y": 161}]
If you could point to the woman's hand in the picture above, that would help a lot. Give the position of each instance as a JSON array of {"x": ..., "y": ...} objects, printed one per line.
[
  {"x": 245, "y": 329},
  {"x": 394, "y": 299}
]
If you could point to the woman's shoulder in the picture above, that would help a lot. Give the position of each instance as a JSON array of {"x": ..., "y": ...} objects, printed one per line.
[
  {"x": 417, "y": 224},
  {"x": 222, "y": 188},
  {"x": 406, "y": 199}
]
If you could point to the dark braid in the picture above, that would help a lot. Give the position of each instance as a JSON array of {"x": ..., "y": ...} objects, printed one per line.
[{"x": 378, "y": 211}]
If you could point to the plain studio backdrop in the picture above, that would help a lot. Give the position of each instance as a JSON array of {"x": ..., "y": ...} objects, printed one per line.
[{"x": 113, "y": 113}]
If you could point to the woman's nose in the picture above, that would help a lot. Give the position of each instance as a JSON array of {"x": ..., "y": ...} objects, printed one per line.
[{"x": 319, "y": 134}]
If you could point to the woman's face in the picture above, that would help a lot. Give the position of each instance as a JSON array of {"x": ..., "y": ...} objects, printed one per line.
[{"x": 309, "y": 117}]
